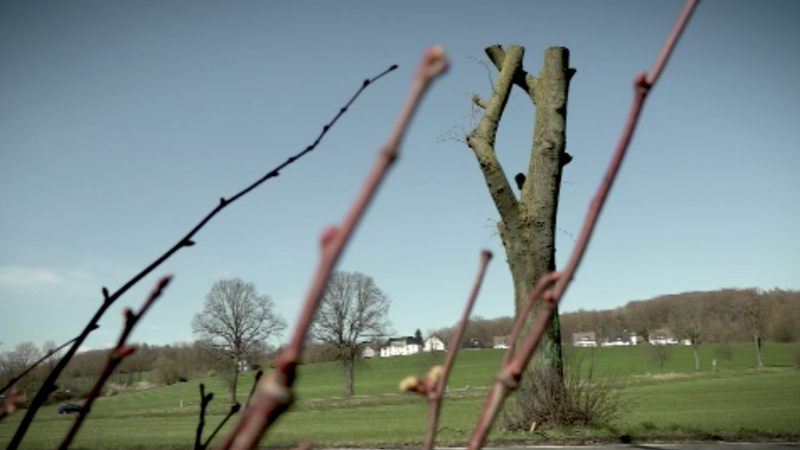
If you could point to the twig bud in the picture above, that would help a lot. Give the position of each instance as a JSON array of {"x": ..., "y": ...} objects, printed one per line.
[{"x": 411, "y": 383}]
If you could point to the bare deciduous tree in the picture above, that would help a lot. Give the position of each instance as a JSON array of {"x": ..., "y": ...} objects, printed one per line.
[
  {"x": 352, "y": 309},
  {"x": 687, "y": 320},
  {"x": 234, "y": 320},
  {"x": 527, "y": 223},
  {"x": 658, "y": 353},
  {"x": 754, "y": 310}
]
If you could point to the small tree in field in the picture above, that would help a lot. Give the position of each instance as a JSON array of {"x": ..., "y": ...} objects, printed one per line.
[
  {"x": 658, "y": 354},
  {"x": 352, "y": 308},
  {"x": 234, "y": 320}
]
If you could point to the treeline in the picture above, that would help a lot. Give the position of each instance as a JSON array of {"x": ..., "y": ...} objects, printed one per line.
[
  {"x": 148, "y": 365},
  {"x": 722, "y": 316}
]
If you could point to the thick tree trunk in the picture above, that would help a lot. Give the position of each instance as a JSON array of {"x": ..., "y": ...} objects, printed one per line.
[
  {"x": 530, "y": 246},
  {"x": 233, "y": 381},
  {"x": 528, "y": 223},
  {"x": 348, "y": 375},
  {"x": 757, "y": 341}
]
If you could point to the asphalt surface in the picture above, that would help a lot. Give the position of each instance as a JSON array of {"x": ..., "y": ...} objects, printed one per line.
[{"x": 715, "y": 446}]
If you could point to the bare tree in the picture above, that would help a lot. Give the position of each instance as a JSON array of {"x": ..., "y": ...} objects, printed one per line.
[
  {"x": 234, "y": 320},
  {"x": 527, "y": 223},
  {"x": 51, "y": 362},
  {"x": 352, "y": 308},
  {"x": 14, "y": 363},
  {"x": 754, "y": 310},
  {"x": 658, "y": 353},
  {"x": 687, "y": 319}
]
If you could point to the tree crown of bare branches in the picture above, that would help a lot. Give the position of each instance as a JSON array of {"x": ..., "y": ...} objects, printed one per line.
[{"x": 235, "y": 317}]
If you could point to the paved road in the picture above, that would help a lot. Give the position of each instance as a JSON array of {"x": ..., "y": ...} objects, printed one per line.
[{"x": 714, "y": 446}]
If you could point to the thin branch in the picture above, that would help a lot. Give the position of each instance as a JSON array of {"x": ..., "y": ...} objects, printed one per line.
[
  {"x": 439, "y": 380},
  {"x": 186, "y": 241},
  {"x": 201, "y": 422},
  {"x": 253, "y": 388},
  {"x": 273, "y": 394},
  {"x": 508, "y": 377},
  {"x": 116, "y": 356},
  {"x": 234, "y": 409},
  {"x": 41, "y": 360}
]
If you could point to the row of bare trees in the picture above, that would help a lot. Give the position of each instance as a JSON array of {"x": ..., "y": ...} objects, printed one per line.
[
  {"x": 721, "y": 316},
  {"x": 711, "y": 317},
  {"x": 237, "y": 323}
]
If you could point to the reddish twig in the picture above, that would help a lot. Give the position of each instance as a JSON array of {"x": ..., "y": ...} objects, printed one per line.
[
  {"x": 186, "y": 241},
  {"x": 41, "y": 360},
  {"x": 10, "y": 404},
  {"x": 273, "y": 393},
  {"x": 115, "y": 357},
  {"x": 436, "y": 378},
  {"x": 551, "y": 287}
]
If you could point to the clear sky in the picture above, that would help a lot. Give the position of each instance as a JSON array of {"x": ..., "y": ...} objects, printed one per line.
[{"x": 122, "y": 123}]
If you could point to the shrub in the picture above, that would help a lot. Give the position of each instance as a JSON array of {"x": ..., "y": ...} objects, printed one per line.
[
  {"x": 166, "y": 371},
  {"x": 591, "y": 399}
]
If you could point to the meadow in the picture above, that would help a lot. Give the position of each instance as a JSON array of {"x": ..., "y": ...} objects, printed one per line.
[{"x": 733, "y": 401}]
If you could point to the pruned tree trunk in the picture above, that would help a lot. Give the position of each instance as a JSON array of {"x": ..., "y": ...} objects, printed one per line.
[{"x": 528, "y": 224}]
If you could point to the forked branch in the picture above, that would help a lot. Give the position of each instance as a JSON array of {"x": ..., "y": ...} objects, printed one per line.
[
  {"x": 436, "y": 379},
  {"x": 551, "y": 287},
  {"x": 186, "y": 241},
  {"x": 115, "y": 357},
  {"x": 273, "y": 394}
]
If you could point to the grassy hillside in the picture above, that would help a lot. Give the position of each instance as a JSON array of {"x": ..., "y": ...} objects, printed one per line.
[{"x": 674, "y": 403}]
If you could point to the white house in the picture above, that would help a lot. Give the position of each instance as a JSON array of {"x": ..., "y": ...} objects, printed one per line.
[
  {"x": 401, "y": 346},
  {"x": 368, "y": 352},
  {"x": 433, "y": 343},
  {"x": 620, "y": 338},
  {"x": 500, "y": 342},
  {"x": 587, "y": 339},
  {"x": 662, "y": 337}
]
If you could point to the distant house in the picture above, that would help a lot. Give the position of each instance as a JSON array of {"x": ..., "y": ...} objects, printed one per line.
[
  {"x": 662, "y": 337},
  {"x": 406, "y": 345},
  {"x": 368, "y": 351},
  {"x": 585, "y": 339},
  {"x": 246, "y": 366},
  {"x": 433, "y": 343},
  {"x": 619, "y": 338},
  {"x": 472, "y": 343},
  {"x": 500, "y": 342}
]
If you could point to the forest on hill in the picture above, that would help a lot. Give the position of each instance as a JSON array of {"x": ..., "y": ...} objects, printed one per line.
[{"x": 713, "y": 317}]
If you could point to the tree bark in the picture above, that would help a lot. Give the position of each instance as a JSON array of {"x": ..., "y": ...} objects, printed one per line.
[
  {"x": 757, "y": 342},
  {"x": 348, "y": 375},
  {"x": 528, "y": 224},
  {"x": 233, "y": 381}
]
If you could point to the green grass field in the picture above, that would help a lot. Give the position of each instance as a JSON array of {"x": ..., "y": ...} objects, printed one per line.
[{"x": 732, "y": 400}]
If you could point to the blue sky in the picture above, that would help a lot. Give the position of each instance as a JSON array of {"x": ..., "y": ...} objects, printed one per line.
[{"x": 122, "y": 123}]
